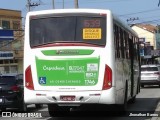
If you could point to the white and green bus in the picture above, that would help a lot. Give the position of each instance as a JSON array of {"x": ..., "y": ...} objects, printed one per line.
[{"x": 76, "y": 57}]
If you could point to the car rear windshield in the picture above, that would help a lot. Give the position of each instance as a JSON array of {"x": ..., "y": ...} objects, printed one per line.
[
  {"x": 9, "y": 80},
  {"x": 149, "y": 69},
  {"x": 83, "y": 28}
]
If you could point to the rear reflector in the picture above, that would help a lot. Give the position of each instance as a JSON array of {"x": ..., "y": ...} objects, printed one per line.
[
  {"x": 157, "y": 73},
  {"x": 28, "y": 79},
  {"x": 107, "y": 83}
]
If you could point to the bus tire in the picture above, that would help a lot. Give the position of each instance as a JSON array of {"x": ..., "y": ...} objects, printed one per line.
[
  {"x": 138, "y": 86},
  {"x": 50, "y": 111},
  {"x": 132, "y": 100},
  {"x": 55, "y": 110},
  {"x": 123, "y": 107},
  {"x": 38, "y": 106}
]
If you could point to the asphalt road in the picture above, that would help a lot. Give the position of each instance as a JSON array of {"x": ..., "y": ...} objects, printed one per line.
[{"x": 146, "y": 102}]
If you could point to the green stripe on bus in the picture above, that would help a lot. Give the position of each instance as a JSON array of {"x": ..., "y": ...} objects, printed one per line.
[{"x": 65, "y": 52}]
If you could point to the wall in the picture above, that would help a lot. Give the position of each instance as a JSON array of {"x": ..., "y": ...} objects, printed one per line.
[{"x": 149, "y": 36}]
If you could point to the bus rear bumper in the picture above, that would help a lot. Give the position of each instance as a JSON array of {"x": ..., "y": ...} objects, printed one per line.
[{"x": 81, "y": 97}]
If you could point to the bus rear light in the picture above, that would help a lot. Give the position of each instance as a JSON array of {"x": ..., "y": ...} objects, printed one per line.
[
  {"x": 107, "y": 83},
  {"x": 28, "y": 79}
]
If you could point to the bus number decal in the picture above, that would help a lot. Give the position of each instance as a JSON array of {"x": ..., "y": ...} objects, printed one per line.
[
  {"x": 89, "y": 82},
  {"x": 92, "y": 23}
]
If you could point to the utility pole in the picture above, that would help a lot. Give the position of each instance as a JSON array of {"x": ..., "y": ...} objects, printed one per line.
[
  {"x": 53, "y": 4},
  {"x": 76, "y": 3},
  {"x": 63, "y": 4},
  {"x": 29, "y": 4}
]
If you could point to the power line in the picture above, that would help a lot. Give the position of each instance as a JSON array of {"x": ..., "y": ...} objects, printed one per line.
[
  {"x": 132, "y": 19},
  {"x": 151, "y": 21},
  {"x": 139, "y": 12}
]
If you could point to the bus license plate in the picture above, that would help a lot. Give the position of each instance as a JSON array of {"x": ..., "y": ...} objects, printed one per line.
[{"x": 67, "y": 98}]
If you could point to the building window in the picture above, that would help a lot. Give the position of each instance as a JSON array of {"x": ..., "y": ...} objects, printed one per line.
[
  {"x": 13, "y": 69},
  {"x": 5, "y": 44},
  {"x": 1, "y": 69},
  {"x": 16, "y": 25},
  {"x": 6, "y": 69},
  {"x": 5, "y": 24},
  {"x": 1, "y": 61},
  {"x": 0, "y": 24}
]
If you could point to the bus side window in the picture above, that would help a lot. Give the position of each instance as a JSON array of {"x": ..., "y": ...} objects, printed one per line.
[
  {"x": 135, "y": 48},
  {"x": 127, "y": 46},
  {"x": 119, "y": 42},
  {"x": 122, "y": 42},
  {"x": 116, "y": 42}
]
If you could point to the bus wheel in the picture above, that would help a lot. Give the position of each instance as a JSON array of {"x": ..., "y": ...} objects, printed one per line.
[
  {"x": 132, "y": 100},
  {"x": 55, "y": 110},
  {"x": 123, "y": 107},
  {"x": 38, "y": 106}
]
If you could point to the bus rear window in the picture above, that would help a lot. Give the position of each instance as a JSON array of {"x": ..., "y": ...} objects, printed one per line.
[{"x": 85, "y": 29}]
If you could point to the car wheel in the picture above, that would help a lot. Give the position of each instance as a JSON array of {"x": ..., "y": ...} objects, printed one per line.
[
  {"x": 3, "y": 109},
  {"x": 38, "y": 106},
  {"x": 142, "y": 86}
]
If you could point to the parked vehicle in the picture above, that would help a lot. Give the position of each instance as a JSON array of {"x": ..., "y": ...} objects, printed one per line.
[
  {"x": 150, "y": 75},
  {"x": 11, "y": 92}
]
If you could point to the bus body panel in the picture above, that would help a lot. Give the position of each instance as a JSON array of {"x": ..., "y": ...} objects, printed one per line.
[
  {"x": 95, "y": 55},
  {"x": 53, "y": 97}
]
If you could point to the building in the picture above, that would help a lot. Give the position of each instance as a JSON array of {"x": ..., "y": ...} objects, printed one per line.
[
  {"x": 147, "y": 34},
  {"x": 11, "y": 41}
]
